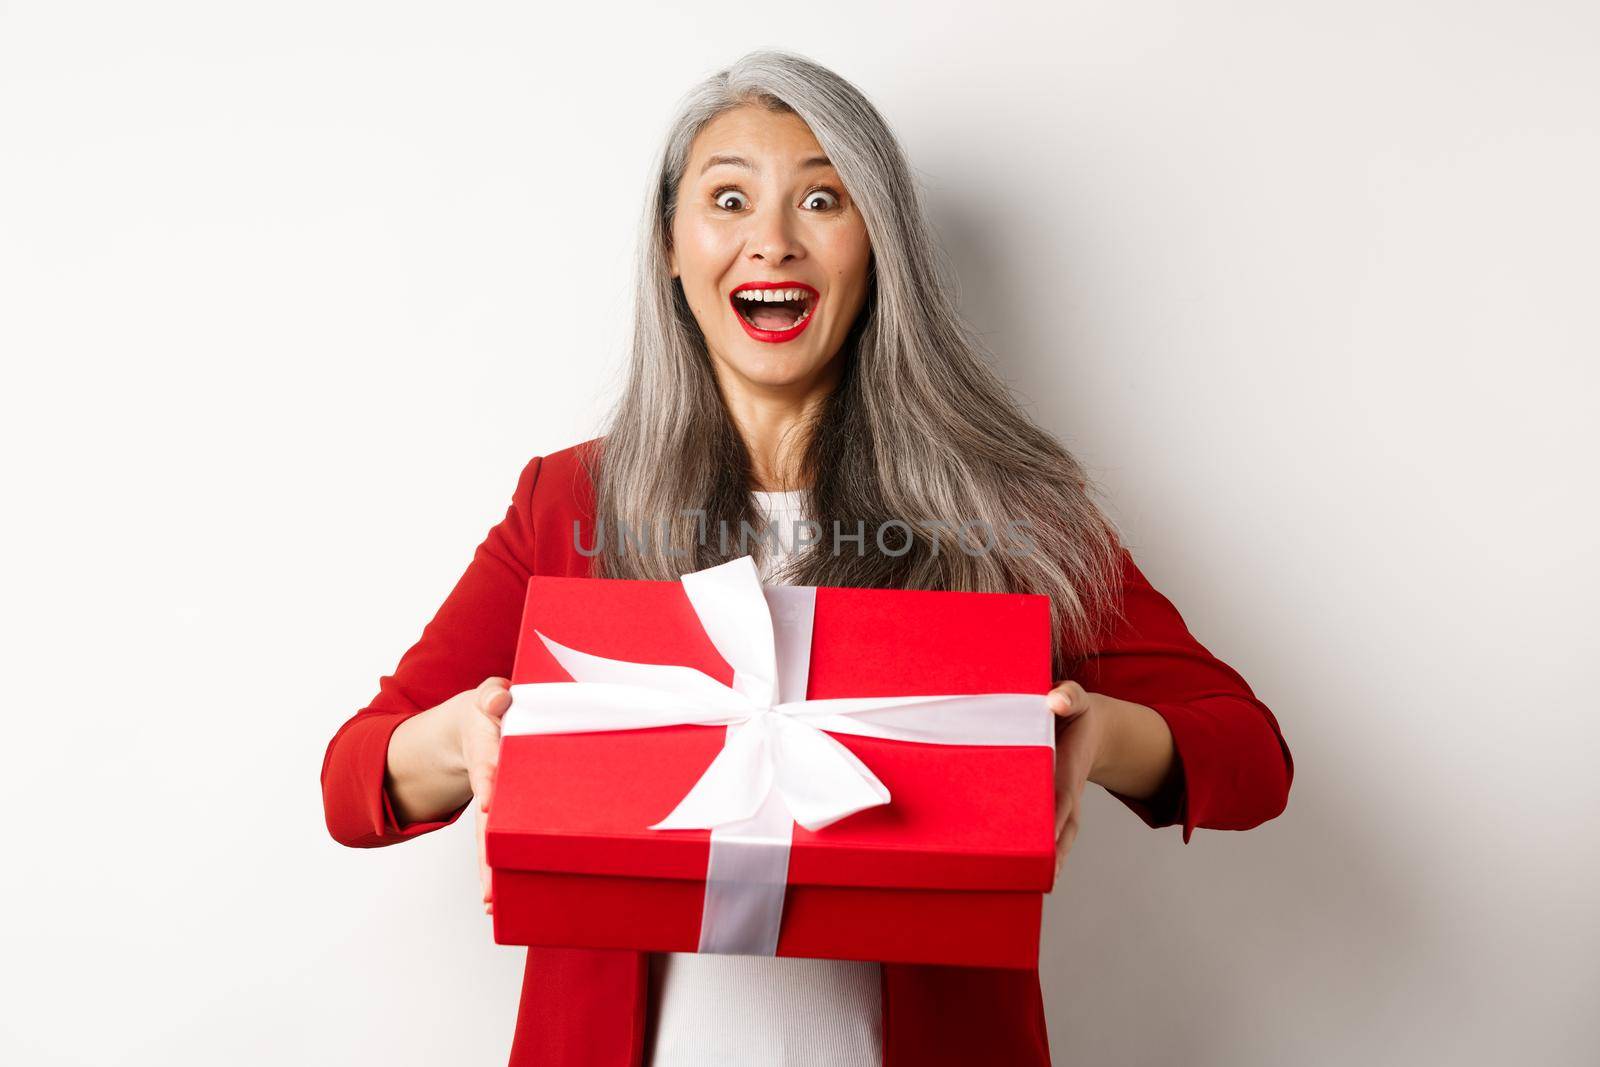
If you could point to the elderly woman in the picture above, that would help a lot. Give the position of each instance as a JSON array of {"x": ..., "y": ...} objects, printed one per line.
[{"x": 796, "y": 356}]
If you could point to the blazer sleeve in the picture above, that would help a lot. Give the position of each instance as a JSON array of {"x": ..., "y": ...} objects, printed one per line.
[
  {"x": 1233, "y": 765},
  {"x": 472, "y": 636}
]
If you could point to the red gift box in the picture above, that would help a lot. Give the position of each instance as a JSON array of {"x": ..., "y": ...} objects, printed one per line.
[{"x": 951, "y": 871}]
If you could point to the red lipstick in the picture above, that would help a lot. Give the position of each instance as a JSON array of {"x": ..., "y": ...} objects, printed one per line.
[{"x": 812, "y": 298}]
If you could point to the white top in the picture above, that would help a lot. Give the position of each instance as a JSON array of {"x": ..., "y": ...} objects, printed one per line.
[{"x": 764, "y": 1011}]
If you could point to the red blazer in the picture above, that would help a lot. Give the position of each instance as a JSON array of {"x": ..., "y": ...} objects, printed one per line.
[{"x": 587, "y": 1007}]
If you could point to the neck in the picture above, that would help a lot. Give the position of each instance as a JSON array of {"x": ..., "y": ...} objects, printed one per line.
[{"x": 775, "y": 423}]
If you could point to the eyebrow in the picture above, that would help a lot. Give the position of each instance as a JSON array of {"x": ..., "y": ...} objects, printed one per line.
[{"x": 740, "y": 161}]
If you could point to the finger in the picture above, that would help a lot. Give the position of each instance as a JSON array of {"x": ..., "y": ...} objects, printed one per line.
[
  {"x": 483, "y": 856},
  {"x": 1065, "y": 807},
  {"x": 480, "y": 778},
  {"x": 475, "y": 776},
  {"x": 488, "y": 776},
  {"x": 495, "y": 705},
  {"x": 1067, "y": 699},
  {"x": 493, "y": 701},
  {"x": 1064, "y": 845},
  {"x": 1063, "y": 803},
  {"x": 485, "y": 872}
]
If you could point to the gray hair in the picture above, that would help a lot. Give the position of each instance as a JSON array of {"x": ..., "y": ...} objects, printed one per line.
[{"x": 919, "y": 431}]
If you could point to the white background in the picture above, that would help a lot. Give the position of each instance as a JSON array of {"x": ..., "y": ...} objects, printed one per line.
[{"x": 290, "y": 292}]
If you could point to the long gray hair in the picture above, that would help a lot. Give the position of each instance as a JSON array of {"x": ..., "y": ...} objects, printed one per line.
[{"x": 919, "y": 444}]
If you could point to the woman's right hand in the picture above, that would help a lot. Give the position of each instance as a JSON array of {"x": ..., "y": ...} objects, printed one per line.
[{"x": 478, "y": 714}]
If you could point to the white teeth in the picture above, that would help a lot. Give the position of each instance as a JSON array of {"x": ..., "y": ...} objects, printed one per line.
[{"x": 770, "y": 295}]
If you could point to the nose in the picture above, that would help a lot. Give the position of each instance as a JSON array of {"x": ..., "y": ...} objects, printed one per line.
[{"x": 772, "y": 240}]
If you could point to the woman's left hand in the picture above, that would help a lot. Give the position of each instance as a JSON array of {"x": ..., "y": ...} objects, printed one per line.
[{"x": 1080, "y": 735}]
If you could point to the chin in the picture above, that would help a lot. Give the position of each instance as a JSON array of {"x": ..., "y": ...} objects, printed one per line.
[
  {"x": 775, "y": 369},
  {"x": 775, "y": 374}
]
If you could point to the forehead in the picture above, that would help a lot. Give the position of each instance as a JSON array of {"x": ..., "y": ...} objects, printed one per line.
[{"x": 766, "y": 139}]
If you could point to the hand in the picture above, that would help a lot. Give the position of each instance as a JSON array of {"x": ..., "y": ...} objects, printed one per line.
[
  {"x": 1080, "y": 735},
  {"x": 478, "y": 725}
]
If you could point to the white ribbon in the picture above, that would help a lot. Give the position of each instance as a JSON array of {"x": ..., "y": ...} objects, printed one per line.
[{"x": 778, "y": 765}]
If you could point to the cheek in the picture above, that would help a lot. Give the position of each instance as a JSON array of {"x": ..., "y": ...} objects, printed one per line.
[
  {"x": 849, "y": 258},
  {"x": 701, "y": 251}
]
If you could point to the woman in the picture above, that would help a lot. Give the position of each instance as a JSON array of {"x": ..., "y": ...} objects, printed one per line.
[{"x": 796, "y": 353}]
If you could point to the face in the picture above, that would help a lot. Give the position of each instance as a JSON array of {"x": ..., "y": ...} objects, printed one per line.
[{"x": 762, "y": 213}]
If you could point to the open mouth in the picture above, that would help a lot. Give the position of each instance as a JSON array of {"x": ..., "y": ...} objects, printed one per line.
[{"x": 774, "y": 312}]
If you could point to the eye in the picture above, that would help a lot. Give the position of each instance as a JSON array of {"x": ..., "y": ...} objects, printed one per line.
[
  {"x": 829, "y": 198},
  {"x": 720, "y": 198}
]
